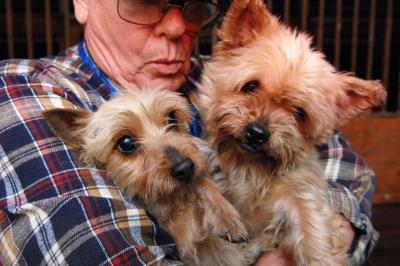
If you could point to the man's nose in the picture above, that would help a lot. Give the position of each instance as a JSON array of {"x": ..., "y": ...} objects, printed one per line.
[{"x": 172, "y": 24}]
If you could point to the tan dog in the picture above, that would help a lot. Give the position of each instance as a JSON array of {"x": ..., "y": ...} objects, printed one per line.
[
  {"x": 267, "y": 99},
  {"x": 143, "y": 141}
]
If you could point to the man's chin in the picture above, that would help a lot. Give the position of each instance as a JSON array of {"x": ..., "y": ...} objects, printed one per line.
[
  {"x": 163, "y": 82},
  {"x": 172, "y": 82}
]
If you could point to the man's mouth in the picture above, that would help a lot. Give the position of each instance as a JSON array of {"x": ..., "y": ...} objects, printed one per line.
[{"x": 168, "y": 67}]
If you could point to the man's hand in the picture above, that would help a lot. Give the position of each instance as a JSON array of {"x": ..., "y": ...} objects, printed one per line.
[
  {"x": 348, "y": 234},
  {"x": 277, "y": 257},
  {"x": 280, "y": 257}
]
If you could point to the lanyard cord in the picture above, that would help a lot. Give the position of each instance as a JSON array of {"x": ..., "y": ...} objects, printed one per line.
[
  {"x": 85, "y": 57},
  {"x": 195, "y": 123}
]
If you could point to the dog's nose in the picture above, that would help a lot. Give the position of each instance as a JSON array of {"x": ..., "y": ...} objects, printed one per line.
[
  {"x": 183, "y": 170},
  {"x": 256, "y": 134},
  {"x": 181, "y": 166}
]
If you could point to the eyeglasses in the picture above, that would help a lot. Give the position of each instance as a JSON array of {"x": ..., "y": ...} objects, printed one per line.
[{"x": 198, "y": 15}]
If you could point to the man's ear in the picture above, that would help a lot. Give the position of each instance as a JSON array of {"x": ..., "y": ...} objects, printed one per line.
[
  {"x": 67, "y": 124},
  {"x": 358, "y": 97},
  {"x": 81, "y": 11},
  {"x": 243, "y": 21}
]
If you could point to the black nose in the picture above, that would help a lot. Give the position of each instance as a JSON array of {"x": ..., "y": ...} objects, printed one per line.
[
  {"x": 256, "y": 134},
  {"x": 183, "y": 170},
  {"x": 181, "y": 166}
]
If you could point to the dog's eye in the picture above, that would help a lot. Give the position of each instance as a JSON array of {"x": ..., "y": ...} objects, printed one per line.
[
  {"x": 300, "y": 114},
  {"x": 250, "y": 86},
  {"x": 171, "y": 120},
  {"x": 126, "y": 144}
]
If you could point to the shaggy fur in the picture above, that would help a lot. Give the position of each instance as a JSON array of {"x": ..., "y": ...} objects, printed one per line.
[
  {"x": 264, "y": 79},
  {"x": 186, "y": 204}
]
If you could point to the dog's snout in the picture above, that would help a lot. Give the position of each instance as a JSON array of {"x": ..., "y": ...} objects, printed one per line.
[
  {"x": 256, "y": 134},
  {"x": 181, "y": 166},
  {"x": 183, "y": 170}
]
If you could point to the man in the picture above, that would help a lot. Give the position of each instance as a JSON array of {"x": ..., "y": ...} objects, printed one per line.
[{"x": 56, "y": 210}]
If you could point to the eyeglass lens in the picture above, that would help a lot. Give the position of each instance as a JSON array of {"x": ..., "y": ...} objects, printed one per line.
[{"x": 197, "y": 14}]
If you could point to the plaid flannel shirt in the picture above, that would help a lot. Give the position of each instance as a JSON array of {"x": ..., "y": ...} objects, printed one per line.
[{"x": 56, "y": 210}]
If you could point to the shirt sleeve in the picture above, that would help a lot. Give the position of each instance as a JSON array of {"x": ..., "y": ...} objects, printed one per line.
[
  {"x": 55, "y": 210},
  {"x": 351, "y": 189}
]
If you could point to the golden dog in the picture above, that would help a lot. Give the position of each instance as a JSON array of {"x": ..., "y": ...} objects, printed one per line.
[
  {"x": 267, "y": 98},
  {"x": 143, "y": 140}
]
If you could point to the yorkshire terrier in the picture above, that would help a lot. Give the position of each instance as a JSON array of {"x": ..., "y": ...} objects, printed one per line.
[
  {"x": 267, "y": 99},
  {"x": 143, "y": 141}
]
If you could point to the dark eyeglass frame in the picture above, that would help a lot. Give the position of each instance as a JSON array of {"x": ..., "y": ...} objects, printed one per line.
[{"x": 181, "y": 7}]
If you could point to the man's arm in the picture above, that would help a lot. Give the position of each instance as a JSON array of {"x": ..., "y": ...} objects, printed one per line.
[
  {"x": 351, "y": 189},
  {"x": 53, "y": 208}
]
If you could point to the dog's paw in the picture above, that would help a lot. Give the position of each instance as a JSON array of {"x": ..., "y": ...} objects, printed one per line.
[
  {"x": 231, "y": 229},
  {"x": 239, "y": 239},
  {"x": 221, "y": 217}
]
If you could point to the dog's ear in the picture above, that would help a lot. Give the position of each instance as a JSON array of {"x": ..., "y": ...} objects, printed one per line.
[
  {"x": 358, "y": 97},
  {"x": 67, "y": 124},
  {"x": 243, "y": 21}
]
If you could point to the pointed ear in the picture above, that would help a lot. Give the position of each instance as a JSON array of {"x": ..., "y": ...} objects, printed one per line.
[
  {"x": 243, "y": 21},
  {"x": 67, "y": 124},
  {"x": 359, "y": 97}
]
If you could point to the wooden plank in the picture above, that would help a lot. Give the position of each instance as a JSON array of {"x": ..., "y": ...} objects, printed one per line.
[
  {"x": 49, "y": 35},
  {"x": 321, "y": 19},
  {"x": 286, "y": 12},
  {"x": 354, "y": 36},
  {"x": 338, "y": 32},
  {"x": 376, "y": 139},
  {"x": 304, "y": 14},
  {"x": 67, "y": 34},
  {"x": 371, "y": 39},
  {"x": 386, "y": 220},
  {"x": 10, "y": 29},
  {"x": 270, "y": 5},
  {"x": 29, "y": 28},
  {"x": 386, "y": 197},
  {"x": 387, "y": 44}
]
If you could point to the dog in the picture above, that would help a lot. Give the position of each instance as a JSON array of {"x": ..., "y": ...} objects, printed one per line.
[
  {"x": 143, "y": 141},
  {"x": 267, "y": 99}
]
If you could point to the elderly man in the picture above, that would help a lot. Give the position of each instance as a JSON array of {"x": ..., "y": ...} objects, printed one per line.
[{"x": 57, "y": 210}]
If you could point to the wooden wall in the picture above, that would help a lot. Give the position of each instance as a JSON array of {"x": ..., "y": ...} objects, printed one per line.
[{"x": 377, "y": 140}]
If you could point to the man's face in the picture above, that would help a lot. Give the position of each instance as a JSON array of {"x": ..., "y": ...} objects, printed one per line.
[{"x": 135, "y": 56}]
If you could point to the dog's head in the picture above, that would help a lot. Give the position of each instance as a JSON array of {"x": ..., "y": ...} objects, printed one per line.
[
  {"x": 267, "y": 95},
  {"x": 143, "y": 140}
]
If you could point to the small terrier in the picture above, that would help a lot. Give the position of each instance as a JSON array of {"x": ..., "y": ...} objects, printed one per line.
[
  {"x": 267, "y": 99},
  {"x": 142, "y": 139}
]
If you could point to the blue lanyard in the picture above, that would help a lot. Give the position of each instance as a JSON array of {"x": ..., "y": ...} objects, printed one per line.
[
  {"x": 86, "y": 59},
  {"x": 91, "y": 65},
  {"x": 195, "y": 124}
]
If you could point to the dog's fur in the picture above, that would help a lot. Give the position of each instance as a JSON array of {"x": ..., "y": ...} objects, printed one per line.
[
  {"x": 264, "y": 79},
  {"x": 187, "y": 204}
]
